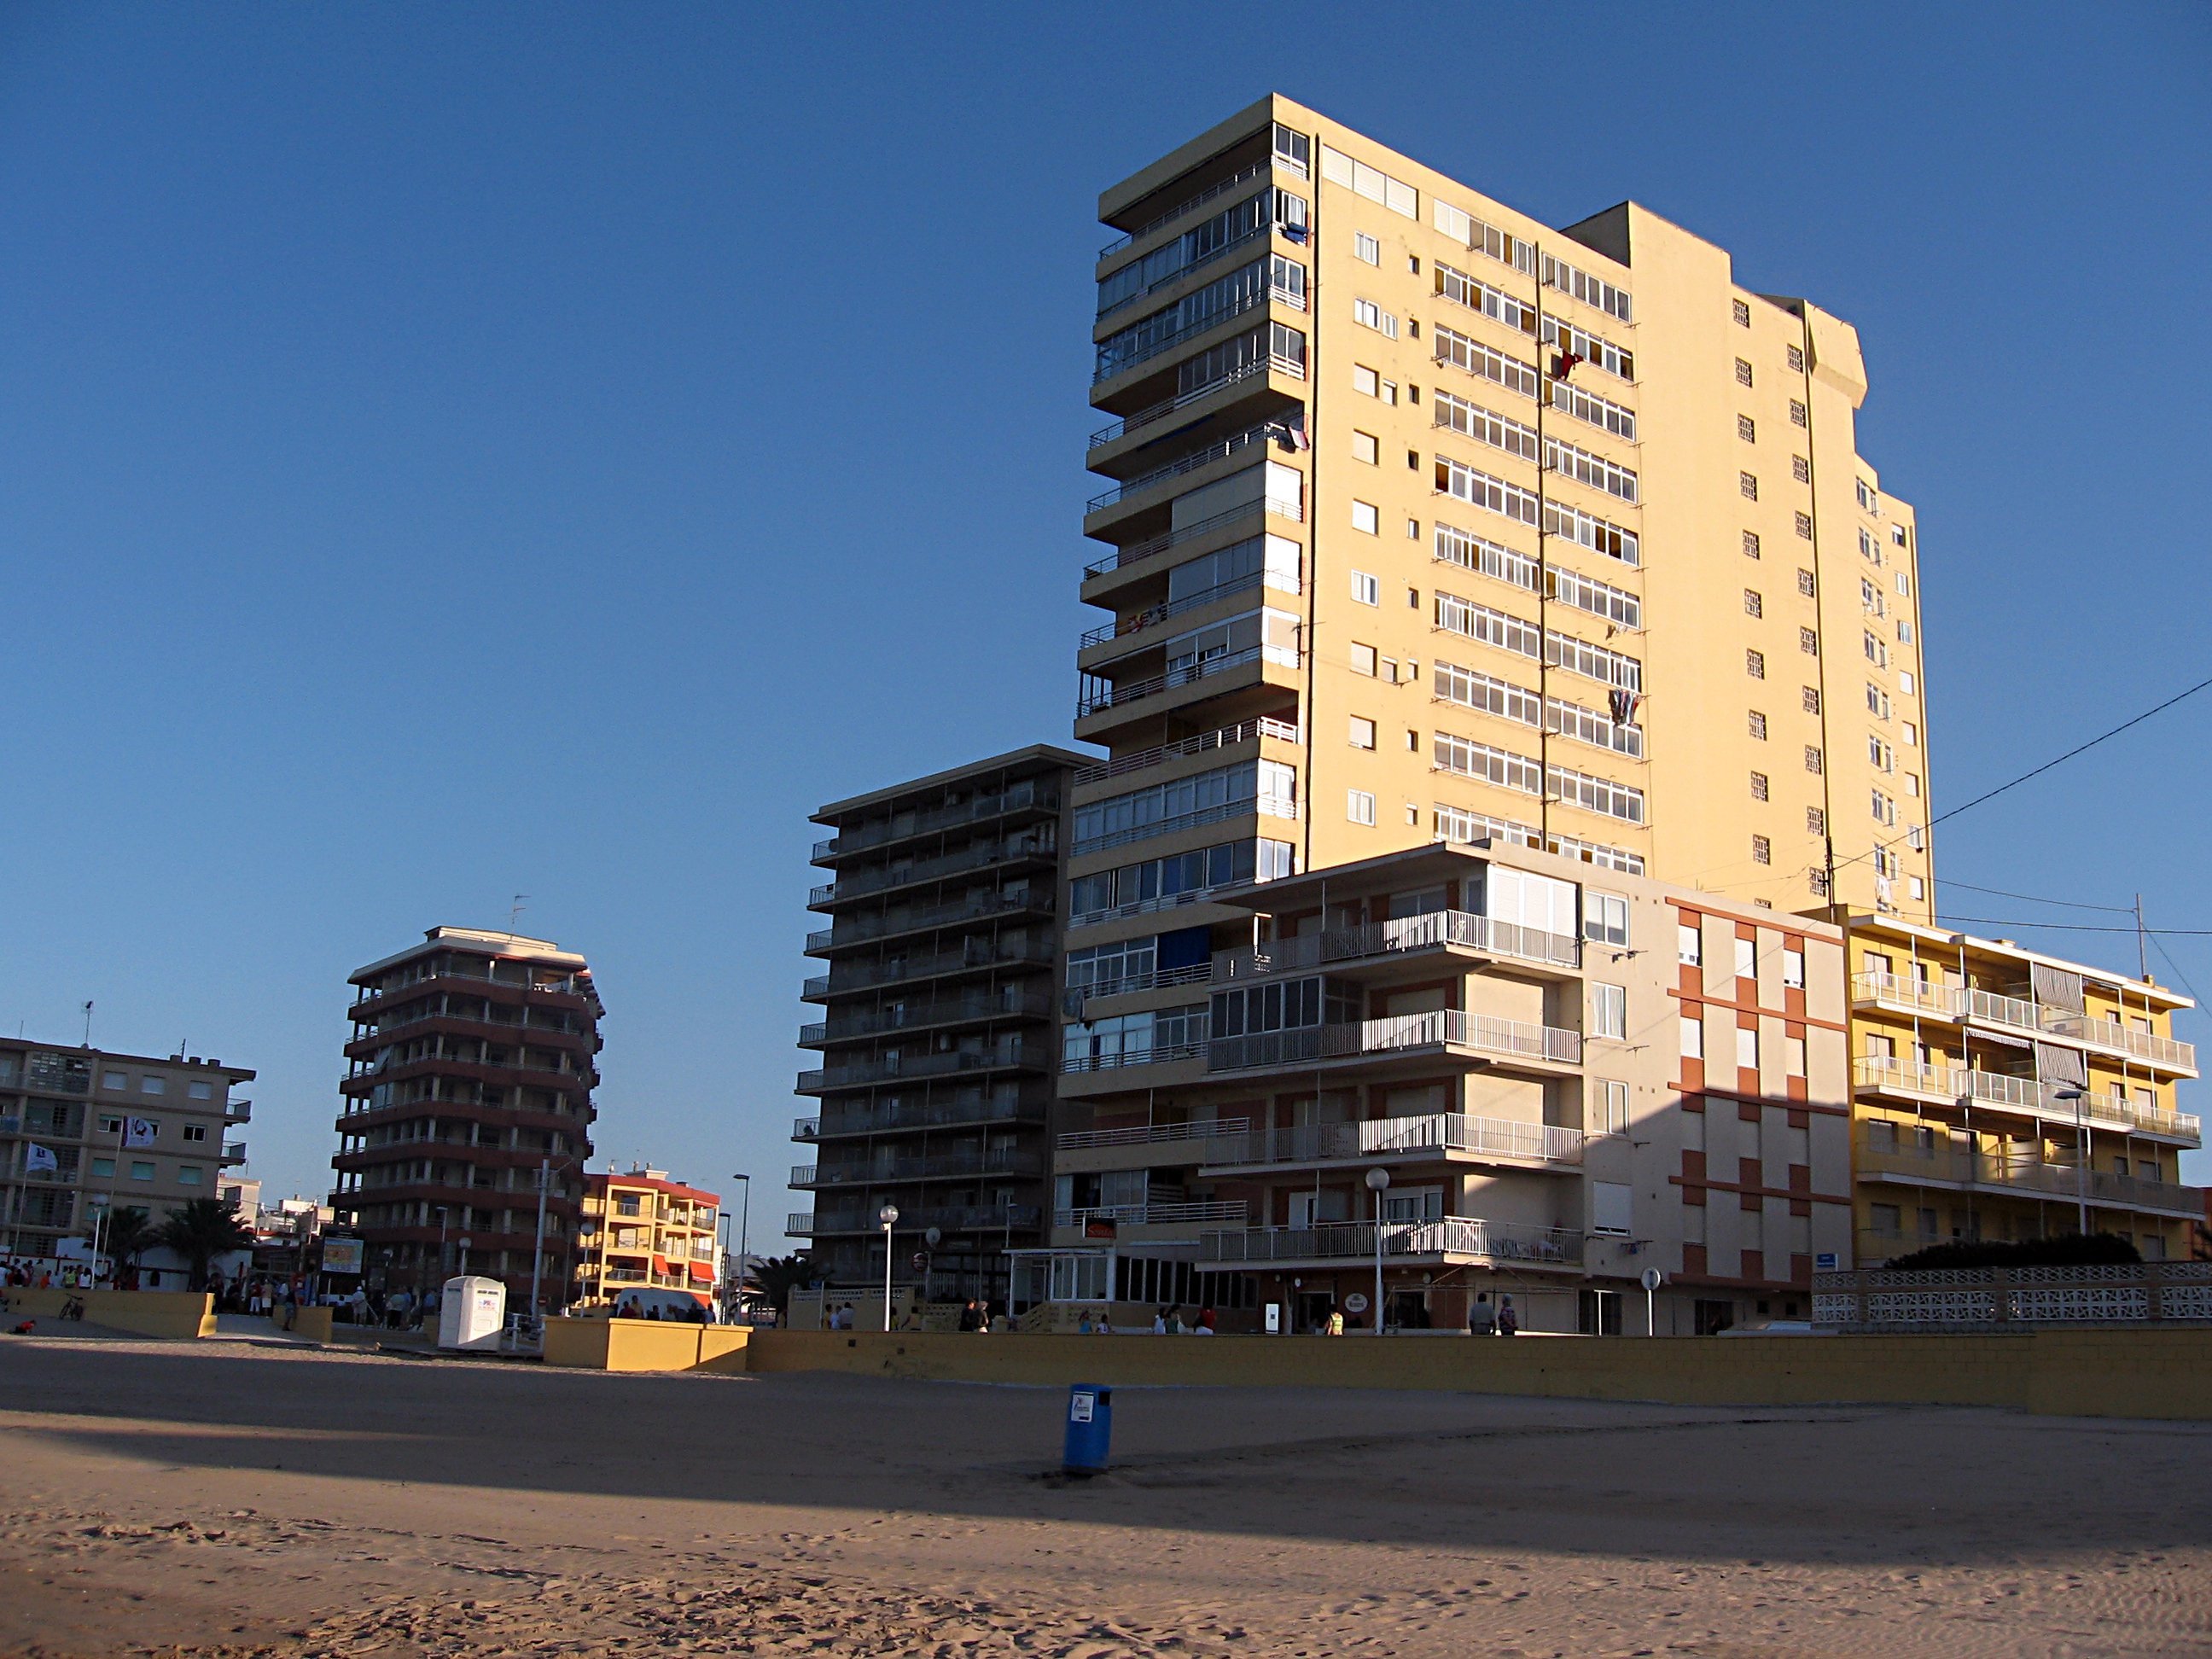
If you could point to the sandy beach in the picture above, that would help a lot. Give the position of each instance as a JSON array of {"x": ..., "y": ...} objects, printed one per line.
[{"x": 230, "y": 1498}]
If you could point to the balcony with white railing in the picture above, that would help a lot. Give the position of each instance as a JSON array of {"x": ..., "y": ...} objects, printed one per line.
[
  {"x": 1443, "y": 1240},
  {"x": 1949, "y": 1084},
  {"x": 1219, "y": 450},
  {"x": 1434, "y": 1136},
  {"x": 1953, "y": 1004},
  {"x": 1943, "y": 1164},
  {"x": 1911, "y": 996},
  {"x": 1161, "y": 222},
  {"x": 1155, "y": 1215},
  {"x": 2110, "y": 1035},
  {"x": 1100, "y": 694},
  {"x": 1227, "y": 737},
  {"x": 1450, "y": 1030},
  {"x": 1137, "y": 421},
  {"x": 1136, "y": 552},
  {"x": 1154, "y": 615},
  {"x": 1458, "y": 930},
  {"x": 1160, "y": 1054}
]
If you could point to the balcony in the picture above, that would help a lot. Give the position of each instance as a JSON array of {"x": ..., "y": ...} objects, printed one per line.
[
  {"x": 1100, "y": 695},
  {"x": 1965, "y": 1169},
  {"x": 1155, "y": 1215},
  {"x": 1446, "y": 1239},
  {"x": 1949, "y": 1084},
  {"x": 861, "y": 883},
  {"x": 1227, "y": 737},
  {"x": 1547, "y": 1048},
  {"x": 1452, "y": 1136},
  {"x": 1220, "y": 450},
  {"x": 1181, "y": 207},
  {"x": 1439, "y": 930},
  {"x": 1028, "y": 796},
  {"x": 1966, "y": 1004},
  {"x": 1160, "y": 1054},
  {"x": 1152, "y": 1133},
  {"x": 237, "y": 1111},
  {"x": 1160, "y": 411},
  {"x": 861, "y": 930},
  {"x": 968, "y": 956},
  {"x": 234, "y": 1152},
  {"x": 904, "y": 1068},
  {"x": 858, "y": 1024},
  {"x": 1076, "y": 998},
  {"x": 805, "y": 1128},
  {"x": 966, "y": 1165},
  {"x": 1196, "y": 329},
  {"x": 965, "y": 1218},
  {"x": 2112, "y": 1036},
  {"x": 858, "y": 1118},
  {"x": 1265, "y": 806},
  {"x": 1151, "y": 615}
]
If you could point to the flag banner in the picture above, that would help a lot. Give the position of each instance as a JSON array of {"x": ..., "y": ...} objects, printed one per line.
[
  {"x": 37, "y": 1157},
  {"x": 138, "y": 1131}
]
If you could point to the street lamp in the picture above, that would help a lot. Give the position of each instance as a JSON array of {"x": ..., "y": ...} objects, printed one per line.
[
  {"x": 744, "y": 1221},
  {"x": 1378, "y": 1183},
  {"x": 2079, "y": 1094},
  {"x": 441, "y": 1244},
  {"x": 889, "y": 1216}
]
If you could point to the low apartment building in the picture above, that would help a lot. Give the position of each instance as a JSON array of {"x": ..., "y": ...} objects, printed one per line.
[
  {"x": 938, "y": 1032},
  {"x": 2004, "y": 1094},
  {"x": 1567, "y": 1075},
  {"x": 642, "y": 1230},
  {"x": 82, "y": 1129}
]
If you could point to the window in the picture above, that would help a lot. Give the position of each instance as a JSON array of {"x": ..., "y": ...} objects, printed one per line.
[
  {"x": 1365, "y": 588},
  {"x": 1762, "y": 849},
  {"x": 194, "y": 1131},
  {"x": 1590, "y": 290},
  {"x": 104, "y": 1166},
  {"x": 1611, "y": 1208},
  {"x": 1746, "y": 1049},
  {"x": 1364, "y": 380},
  {"x": 1805, "y": 584},
  {"x": 1754, "y": 664},
  {"x": 1904, "y": 681},
  {"x": 1793, "y": 1056},
  {"x": 1693, "y": 1037},
  {"x": 1759, "y": 786},
  {"x": 1359, "y": 807},
  {"x": 1414, "y": 265},
  {"x": 1751, "y": 543},
  {"x": 1412, "y": 530},
  {"x": 1605, "y": 917},
  {"x": 1812, "y": 699},
  {"x": 1368, "y": 314},
  {"x": 1363, "y": 660},
  {"x": 1746, "y": 428},
  {"x": 1808, "y": 642},
  {"x": 1793, "y": 970},
  {"x": 1753, "y": 604},
  {"x": 1689, "y": 945},
  {"x": 1365, "y": 247},
  {"x": 1749, "y": 485},
  {"x": 1364, "y": 518},
  {"x": 1572, "y": 399},
  {"x": 1903, "y": 631},
  {"x": 1363, "y": 732},
  {"x": 1911, "y": 735},
  {"x": 1742, "y": 372},
  {"x": 1612, "y": 1113},
  {"x": 1464, "y": 353},
  {"x": 1805, "y": 526},
  {"x": 201, "y": 1091},
  {"x": 1884, "y": 808},
  {"x": 1916, "y": 887},
  {"x": 1801, "y": 468},
  {"x": 1897, "y": 534},
  {"x": 142, "y": 1171},
  {"x": 1816, "y": 821},
  {"x": 1797, "y": 355},
  {"x": 1364, "y": 448},
  {"x": 1877, "y": 651},
  {"x": 1868, "y": 497},
  {"x": 1812, "y": 759},
  {"x": 1798, "y": 415},
  {"x": 1609, "y": 1011},
  {"x": 1480, "y": 489},
  {"x": 110, "y": 1125},
  {"x": 1472, "y": 420},
  {"x": 1759, "y": 726},
  {"x": 191, "y": 1175},
  {"x": 114, "y": 1080},
  {"x": 1741, "y": 313},
  {"x": 150, "y": 1086}
]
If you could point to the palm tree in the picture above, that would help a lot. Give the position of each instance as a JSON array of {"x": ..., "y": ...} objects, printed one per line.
[
  {"x": 129, "y": 1231},
  {"x": 772, "y": 1278},
  {"x": 200, "y": 1230}
]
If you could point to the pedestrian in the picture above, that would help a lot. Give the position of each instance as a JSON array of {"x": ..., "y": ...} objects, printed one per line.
[
  {"x": 1335, "y": 1326},
  {"x": 1509, "y": 1322},
  {"x": 968, "y": 1316},
  {"x": 1159, "y": 1322},
  {"x": 982, "y": 1316},
  {"x": 1481, "y": 1317}
]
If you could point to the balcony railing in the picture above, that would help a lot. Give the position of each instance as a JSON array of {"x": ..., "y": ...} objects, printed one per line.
[
  {"x": 887, "y": 1069},
  {"x": 1159, "y": 1054},
  {"x": 1154, "y": 1215},
  {"x": 1197, "y": 326},
  {"x": 1157, "y": 979},
  {"x": 1402, "y": 1137},
  {"x": 2111, "y": 1034},
  {"x": 1223, "y": 737},
  {"x": 1449, "y": 1027},
  {"x": 1025, "y": 796},
  {"x": 953, "y": 1220},
  {"x": 2103, "y": 1110},
  {"x": 1160, "y": 543},
  {"x": 877, "y": 1117},
  {"x": 234, "y": 1152},
  {"x": 1149, "y": 1134},
  {"x": 1146, "y": 619},
  {"x": 917, "y": 1017},
  {"x": 1219, "y": 450},
  {"x": 1958, "y": 1002},
  {"x": 1099, "y": 695},
  {"x": 861, "y": 882},
  {"x": 974, "y": 953},
  {"x": 1181, "y": 208},
  {"x": 805, "y": 1128},
  {"x": 1446, "y": 1236},
  {"x": 938, "y": 1166},
  {"x": 1147, "y": 906},
  {"x": 858, "y": 930},
  {"x": 1266, "y": 806},
  {"x": 1161, "y": 411},
  {"x": 238, "y": 1111},
  {"x": 1461, "y": 929},
  {"x": 1957, "y": 1166}
]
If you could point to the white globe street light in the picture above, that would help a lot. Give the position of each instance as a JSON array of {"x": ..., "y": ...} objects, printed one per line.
[{"x": 889, "y": 1216}]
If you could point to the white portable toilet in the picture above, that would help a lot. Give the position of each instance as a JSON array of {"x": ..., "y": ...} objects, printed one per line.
[{"x": 471, "y": 1314}]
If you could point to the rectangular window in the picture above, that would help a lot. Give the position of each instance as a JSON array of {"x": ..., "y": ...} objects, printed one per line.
[
  {"x": 1808, "y": 642},
  {"x": 1359, "y": 806},
  {"x": 1748, "y": 485},
  {"x": 1365, "y": 588},
  {"x": 1609, "y": 1011},
  {"x": 150, "y": 1086},
  {"x": 1689, "y": 945},
  {"x": 1797, "y": 355},
  {"x": 201, "y": 1091},
  {"x": 1811, "y": 695},
  {"x": 1805, "y": 582},
  {"x": 1365, "y": 247},
  {"x": 1759, "y": 726},
  {"x": 1476, "y": 295},
  {"x": 1593, "y": 349},
  {"x": 142, "y": 1171},
  {"x": 1372, "y": 183},
  {"x": 1798, "y": 414},
  {"x": 1876, "y": 649},
  {"x": 190, "y": 1175},
  {"x": 1742, "y": 372},
  {"x": 1746, "y": 428},
  {"x": 1611, "y": 1208},
  {"x": 1612, "y": 1118},
  {"x": 1754, "y": 605},
  {"x": 1364, "y": 518},
  {"x": 1364, "y": 380},
  {"x": 1751, "y": 543},
  {"x": 1461, "y": 352},
  {"x": 1741, "y": 313},
  {"x": 1762, "y": 849},
  {"x": 1754, "y": 664},
  {"x": 1472, "y": 420},
  {"x": 1480, "y": 489},
  {"x": 1911, "y": 735},
  {"x": 194, "y": 1131},
  {"x": 1693, "y": 1037},
  {"x": 1759, "y": 786},
  {"x": 1904, "y": 681},
  {"x": 1605, "y": 917},
  {"x": 103, "y": 1166},
  {"x": 1805, "y": 526},
  {"x": 1364, "y": 448},
  {"x": 1363, "y": 660},
  {"x": 1746, "y": 1049},
  {"x": 1812, "y": 759},
  {"x": 1801, "y": 468},
  {"x": 1793, "y": 968},
  {"x": 1602, "y": 412},
  {"x": 1368, "y": 314},
  {"x": 1590, "y": 290},
  {"x": 114, "y": 1080},
  {"x": 1816, "y": 821},
  {"x": 1363, "y": 732}
]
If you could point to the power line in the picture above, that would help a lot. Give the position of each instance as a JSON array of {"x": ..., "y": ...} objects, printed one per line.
[
  {"x": 2037, "y": 898},
  {"x": 2081, "y": 927},
  {"x": 2178, "y": 973}
]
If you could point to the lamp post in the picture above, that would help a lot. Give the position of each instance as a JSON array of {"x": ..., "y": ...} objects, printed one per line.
[
  {"x": 2079, "y": 1094},
  {"x": 744, "y": 1222},
  {"x": 441, "y": 1246},
  {"x": 1378, "y": 1183},
  {"x": 889, "y": 1216}
]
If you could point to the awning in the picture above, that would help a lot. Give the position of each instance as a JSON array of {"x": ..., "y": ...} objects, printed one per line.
[{"x": 704, "y": 1271}]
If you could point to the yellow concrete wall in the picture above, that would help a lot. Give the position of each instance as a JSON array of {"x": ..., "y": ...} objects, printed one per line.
[
  {"x": 644, "y": 1345},
  {"x": 2136, "y": 1373},
  {"x": 582, "y": 1343},
  {"x": 311, "y": 1324},
  {"x": 179, "y": 1314}
]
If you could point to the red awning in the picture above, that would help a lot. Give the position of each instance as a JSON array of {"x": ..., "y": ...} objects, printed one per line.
[
  {"x": 659, "y": 1263},
  {"x": 703, "y": 1270}
]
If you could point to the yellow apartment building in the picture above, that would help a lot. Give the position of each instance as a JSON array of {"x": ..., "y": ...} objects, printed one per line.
[
  {"x": 642, "y": 1230},
  {"x": 2004, "y": 1094}
]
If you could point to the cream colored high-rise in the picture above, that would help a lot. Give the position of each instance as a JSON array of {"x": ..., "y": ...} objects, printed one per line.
[{"x": 1387, "y": 565}]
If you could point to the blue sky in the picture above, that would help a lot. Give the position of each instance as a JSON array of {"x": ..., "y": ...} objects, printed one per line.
[{"x": 448, "y": 453}]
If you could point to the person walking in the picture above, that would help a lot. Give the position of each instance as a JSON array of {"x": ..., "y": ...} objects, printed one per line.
[
  {"x": 1509, "y": 1322},
  {"x": 1335, "y": 1326},
  {"x": 1481, "y": 1317}
]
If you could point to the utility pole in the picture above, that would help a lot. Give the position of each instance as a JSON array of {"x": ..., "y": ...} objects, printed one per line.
[
  {"x": 538, "y": 1254},
  {"x": 2143, "y": 945}
]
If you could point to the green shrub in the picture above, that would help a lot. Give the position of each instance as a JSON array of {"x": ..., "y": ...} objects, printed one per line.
[{"x": 2064, "y": 1250}]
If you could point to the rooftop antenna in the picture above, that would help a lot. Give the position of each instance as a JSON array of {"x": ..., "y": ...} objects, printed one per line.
[
  {"x": 88, "y": 1022},
  {"x": 514, "y": 910}
]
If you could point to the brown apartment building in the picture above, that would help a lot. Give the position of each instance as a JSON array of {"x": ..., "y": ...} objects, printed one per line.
[{"x": 472, "y": 1061}]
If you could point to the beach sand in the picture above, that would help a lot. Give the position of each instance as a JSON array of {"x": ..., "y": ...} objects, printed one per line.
[{"x": 223, "y": 1498}]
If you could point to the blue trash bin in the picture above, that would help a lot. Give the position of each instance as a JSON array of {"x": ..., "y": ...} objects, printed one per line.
[{"x": 1090, "y": 1428}]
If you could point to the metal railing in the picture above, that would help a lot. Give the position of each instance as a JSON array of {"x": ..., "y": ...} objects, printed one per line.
[
  {"x": 1462, "y": 928},
  {"x": 1262, "y": 805},
  {"x": 2103, "y": 1110},
  {"x": 886, "y": 1069},
  {"x": 1181, "y": 207},
  {"x": 1191, "y": 331},
  {"x": 1220, "y": 450},
  {"x": 1159, "y": 613},
  {"x": 1223, "y": 738},
  {"x": 1145, "y": 906},
  {"x": 1155, "y": 979},
  {"x": 1149, "y": 1214},
  {"x": 974, "y": 953},
  {"x": 1960, "y": 1166},
  {"x": 1023, "y": 797},
  {"x": 876, "y": 1117},
  {"x": 1452, "y": 1028},
  {"x": 859, "y": 930},
  {"x": 1264, "y": 231},
  {"x": 953, "y": 1219},
  {"x": 1444, "y": 1236},
  {"x": 1147, "y": 1133},
  {"x": 1159, "y": 1054},
  {"x": 916, "y": 1017},
  {"x": 862, "y": 883},
  {"x": 937, "y": 1167},
  {"x": 1160, "y": 411},
  {"x": 1102, "y": 694},
  {"x": 1958, "y": 1002},
  {"x": 1160, "y": 543},
  {"x": 2111, "y": 1034},
  {"x": 1400, "y": 1136},
  {"x": 238, "y": 1111}
]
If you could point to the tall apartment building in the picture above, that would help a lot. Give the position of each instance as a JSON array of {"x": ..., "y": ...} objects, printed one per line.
[
  {"x": 2004, "y": 1094},
  {"x": 938, "y": 1033},
  {"x": 82, "y": 1129},
  {"x": 642, "y": 1231},
  {"x": 1568, "y": 1076},
  {"x": 1430, "y": 521},
  {"x": 472, "y": 1060}
]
